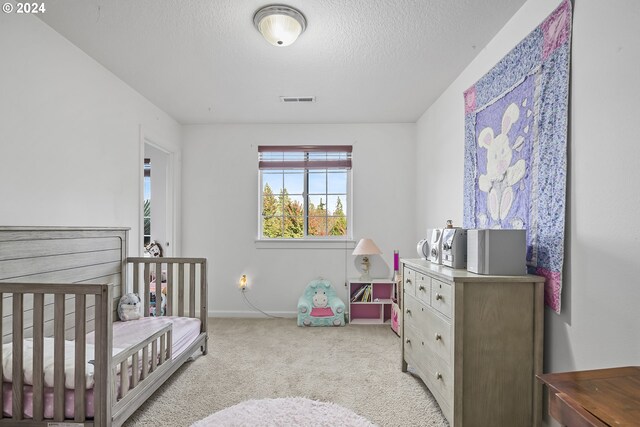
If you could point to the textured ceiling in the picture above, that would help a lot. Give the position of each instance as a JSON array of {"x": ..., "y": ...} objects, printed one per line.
[{"x": 204, "y": 62}]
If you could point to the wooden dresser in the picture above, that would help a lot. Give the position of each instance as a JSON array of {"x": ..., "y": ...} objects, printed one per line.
[
  {"x": 598, "y": 398},
  {"x": 476, "y": 342}
]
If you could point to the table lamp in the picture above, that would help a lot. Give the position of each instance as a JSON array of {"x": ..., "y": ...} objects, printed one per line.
[{"x": 366, "y": 247}]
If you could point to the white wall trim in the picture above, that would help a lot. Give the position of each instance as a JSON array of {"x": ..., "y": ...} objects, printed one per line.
[
  {"x": 251, "y": 314},
  {"x": 304, "y": 244}
]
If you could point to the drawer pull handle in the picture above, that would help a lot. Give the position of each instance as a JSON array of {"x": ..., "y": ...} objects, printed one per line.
[
  {"x": 408, "y": 311},
  {"x": 439, "y": 296},
  {"x": 438, "y": 337},
  {"x": 408, "y": 341},
  {"x": 438, "y": 376},
  {"x": 421, "y": 288},
  {"x": 408, "y": 281}
]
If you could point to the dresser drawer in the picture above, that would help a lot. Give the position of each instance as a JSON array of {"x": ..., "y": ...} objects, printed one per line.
[
  {"x": 441, "y": 298},
  {"x": 423, "y": 287},
  {"x": 439, "y": 378},
  {"x": 438, "y": 336},
  {"x": 433, "y": 331},
  {"x": 409, "y": 283},
  {"x": 413, "y": 348},
  {"x": 413, "y": 312}
]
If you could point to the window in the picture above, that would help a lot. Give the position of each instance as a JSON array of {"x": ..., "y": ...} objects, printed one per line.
[{"x": 305, "y": 192}]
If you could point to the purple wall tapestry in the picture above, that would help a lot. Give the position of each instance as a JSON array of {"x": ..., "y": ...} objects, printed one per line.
[{"x": 516, "y": 146}]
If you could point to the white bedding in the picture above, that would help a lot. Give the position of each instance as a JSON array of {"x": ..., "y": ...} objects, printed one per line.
[
  {"x": 69, "y": 362},
  {"x": 184, "y": 331},
  {"x": 125, "y": 334}
]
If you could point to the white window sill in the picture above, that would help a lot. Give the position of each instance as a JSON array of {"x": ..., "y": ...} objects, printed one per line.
[{"x": 304, "y": 244}]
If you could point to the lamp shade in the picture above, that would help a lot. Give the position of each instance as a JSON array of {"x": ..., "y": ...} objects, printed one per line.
[
  {"x": 280, "y": 25},
  {"x": 366, "y": 247}
]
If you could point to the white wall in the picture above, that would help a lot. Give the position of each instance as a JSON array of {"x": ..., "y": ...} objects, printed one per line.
[
  {"x": 70, "y": 150},
  {"x": 600, "y": 321},
  {"x": 220, "y": 208}
]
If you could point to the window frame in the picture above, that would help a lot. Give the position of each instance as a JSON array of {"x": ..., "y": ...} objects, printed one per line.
[{"x": 348, "y": 202}]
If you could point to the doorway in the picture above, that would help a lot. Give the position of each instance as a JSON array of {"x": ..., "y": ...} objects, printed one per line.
[{"x": 157, "y": 200}]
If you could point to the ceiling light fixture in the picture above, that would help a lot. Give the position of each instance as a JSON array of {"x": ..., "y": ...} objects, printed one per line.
[{"x": 280, "y": 25}]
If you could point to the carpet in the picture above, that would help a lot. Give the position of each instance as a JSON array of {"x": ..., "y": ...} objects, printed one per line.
[
  {"x": 356, "y": 367},
  {"x": 288, "y": 411}
]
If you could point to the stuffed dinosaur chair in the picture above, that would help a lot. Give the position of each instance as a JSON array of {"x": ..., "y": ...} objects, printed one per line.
[{"x": 320, "y": 306}]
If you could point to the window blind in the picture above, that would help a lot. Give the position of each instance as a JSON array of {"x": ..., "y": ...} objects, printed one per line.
[{"x": 304, "y": 156}]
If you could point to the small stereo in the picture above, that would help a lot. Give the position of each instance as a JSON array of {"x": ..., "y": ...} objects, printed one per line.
[{"x": 454, "y": 247}]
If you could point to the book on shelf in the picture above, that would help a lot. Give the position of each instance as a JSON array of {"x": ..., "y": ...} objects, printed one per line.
[
  {"x": 362, "y": 294},
  {"x": 366, "y": 296},
  {"x": 358, "y": 293}
]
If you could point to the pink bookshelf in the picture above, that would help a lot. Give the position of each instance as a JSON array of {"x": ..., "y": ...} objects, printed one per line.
[{"x": 375, "y": 309}]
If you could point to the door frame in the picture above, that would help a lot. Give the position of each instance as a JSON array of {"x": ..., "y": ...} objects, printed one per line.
[{"x": 171, "y": 206}]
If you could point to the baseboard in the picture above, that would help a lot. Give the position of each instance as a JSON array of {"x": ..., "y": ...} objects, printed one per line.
[{"x": 251, "y": 314}]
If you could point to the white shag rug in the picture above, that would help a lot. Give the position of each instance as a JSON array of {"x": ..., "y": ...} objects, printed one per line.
[{"x": 289, "y": 411}]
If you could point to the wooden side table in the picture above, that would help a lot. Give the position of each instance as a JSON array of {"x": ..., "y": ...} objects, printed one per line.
[{"x": 602, "y": 397}]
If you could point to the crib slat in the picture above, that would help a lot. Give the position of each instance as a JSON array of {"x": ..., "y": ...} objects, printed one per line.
[
  {"x": 169, "y": 345},
  {"x": 1, "y": 356},
  {"x": 136, "y": 278},
  {"x": 145, "y": 363},
  {"x": 146, "y": 302},
  {"x": 58, "y": 358},
  {"x": 192, "y": 290},
  {"x": 135, "y": 366},
  {"x": 180, "y": 289},
  {"x": 169, "y": 308},
  {"x": 80, "y": 359},
  {"x": 113, "y": 384},
  {"x": 203, "y": 303},
  {"x": 38, "y": 357},
  {"x": 18, "y": 309},
  {"x": 124, "y": 379},
  {"x": 103, "y": 389},
  {"x": 158, "y": 311},
  {"x": 163, "y": 350},
  {"x": 154, "y": 355}
]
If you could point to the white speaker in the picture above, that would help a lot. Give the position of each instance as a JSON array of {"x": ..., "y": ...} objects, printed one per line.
[
  {"x": 498, "y": 252},
  {"x": 423, "y": 248},
  {"x": 435, "y": 256}
]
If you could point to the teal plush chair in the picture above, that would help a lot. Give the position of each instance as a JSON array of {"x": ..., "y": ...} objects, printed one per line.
[{"x": 320, "y": 306}]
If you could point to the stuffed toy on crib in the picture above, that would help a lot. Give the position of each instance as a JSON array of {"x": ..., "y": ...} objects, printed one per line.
[{"x": 129, "y": 307}]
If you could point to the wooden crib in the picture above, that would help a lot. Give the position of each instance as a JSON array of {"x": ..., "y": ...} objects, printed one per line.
[{"x": 61, "y": 284}]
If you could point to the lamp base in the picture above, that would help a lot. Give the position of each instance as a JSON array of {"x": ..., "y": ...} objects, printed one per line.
[
  {"x": 365, "y": 277},
  {"x": 365, "y": 269}
]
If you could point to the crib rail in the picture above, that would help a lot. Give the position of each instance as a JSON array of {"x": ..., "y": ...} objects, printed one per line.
[
  {"x": 183, "y": 282},
  {"x": 137, "y": 364},
  {"x": 34, "y": 328}
]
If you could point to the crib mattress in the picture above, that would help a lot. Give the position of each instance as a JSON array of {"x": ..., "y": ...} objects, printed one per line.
[
  {"x": 184, "y": 332},
  {"x": 125, "y": 334}
]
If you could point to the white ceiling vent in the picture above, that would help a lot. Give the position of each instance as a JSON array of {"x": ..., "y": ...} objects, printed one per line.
[{"x": 298, "y": 98}]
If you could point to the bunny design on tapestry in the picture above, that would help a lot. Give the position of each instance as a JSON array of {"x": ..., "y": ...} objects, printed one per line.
[{"x": 501, "y": 174}]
